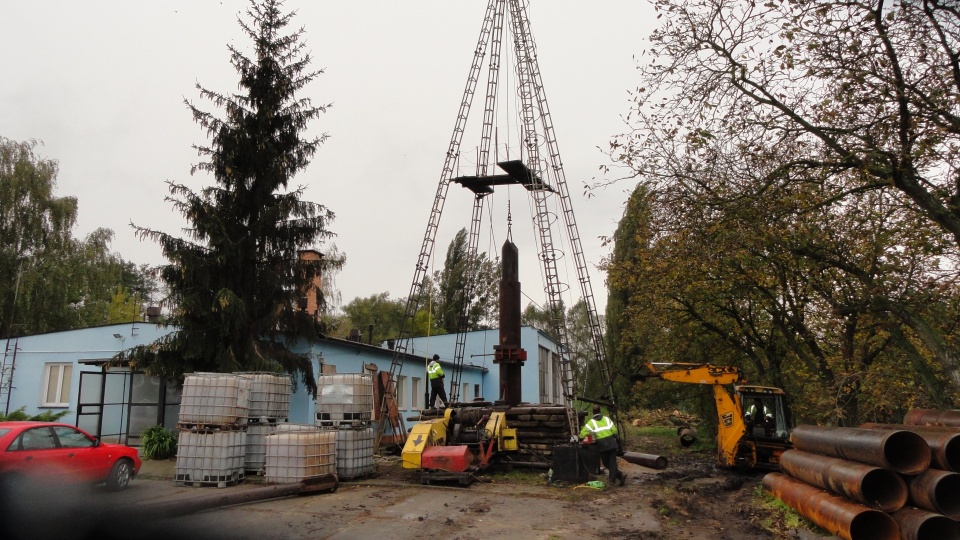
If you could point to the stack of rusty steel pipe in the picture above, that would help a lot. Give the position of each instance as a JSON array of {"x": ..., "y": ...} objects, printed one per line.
[{"x": 878, "y": 481}]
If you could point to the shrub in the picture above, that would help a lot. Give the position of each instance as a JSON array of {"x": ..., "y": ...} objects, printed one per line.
[
  {"x": 158, "y": 442},
  {"x": 46, "y": 416}
]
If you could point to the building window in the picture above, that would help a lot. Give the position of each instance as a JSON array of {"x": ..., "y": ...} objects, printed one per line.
[
  {"x": 402, "y": 392},
  {"x": 557, "y": 376},
  {"x": 415, "y": 387},
  {"x": 56, "y": 385},
  {"x": 543, "y": 364},
  {"x": 463, "y": 396},
  {"x": 476, "y": 390}
]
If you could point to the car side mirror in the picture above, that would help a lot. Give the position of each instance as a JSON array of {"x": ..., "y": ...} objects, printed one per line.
[{"x": 96, "y": 443}]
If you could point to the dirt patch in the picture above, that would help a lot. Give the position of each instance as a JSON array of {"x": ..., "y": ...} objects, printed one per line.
[{"x": 691, "y": 499}]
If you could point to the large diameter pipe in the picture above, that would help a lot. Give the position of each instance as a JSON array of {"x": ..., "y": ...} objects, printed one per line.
[
  {"x": 873, "y": 486},
  {"x": 832, "y": 513},
  {"x": 647, "y": 460},
  {"x": 944, "y": 443},
  {"x": 932, "y": 417},
  {"x": 687, "y": 436},
  {"x": 937, "y": 491},
  {"x": 902, "y": 451},
  {"x": 917, "y": 524}
]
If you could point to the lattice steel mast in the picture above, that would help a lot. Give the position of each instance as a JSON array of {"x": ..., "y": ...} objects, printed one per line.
[{"x": 543, "y": 177}]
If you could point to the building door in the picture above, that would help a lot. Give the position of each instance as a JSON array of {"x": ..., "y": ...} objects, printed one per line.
[{"x": 118, "y": 405}]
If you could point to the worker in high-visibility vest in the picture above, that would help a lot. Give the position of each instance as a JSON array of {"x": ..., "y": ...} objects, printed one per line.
[
  {"x": 436, "y": 382},
  {"x": 604, "y": 432}
]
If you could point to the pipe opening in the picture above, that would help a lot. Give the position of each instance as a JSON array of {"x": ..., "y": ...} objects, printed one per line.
[
  {"x": 938, "y": 528},
  {"x": 907, "y": 452},
  {"x": 875, "y": 525},
  {"x": 951, "y": 453},
  {"x": 884, "y": 489},
  {"x": 947, "y": 493}
]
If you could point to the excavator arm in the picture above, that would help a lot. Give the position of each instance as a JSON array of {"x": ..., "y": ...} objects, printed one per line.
[{"x": 730, "y": 428}]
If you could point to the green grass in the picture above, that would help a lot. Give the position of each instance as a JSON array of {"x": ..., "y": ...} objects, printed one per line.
[
  {"x": 779, "y": 514},
  {"x": 668, "y": 440},
  {"x": 521, "y": 476},
  {"x": 654, "y": 431}
]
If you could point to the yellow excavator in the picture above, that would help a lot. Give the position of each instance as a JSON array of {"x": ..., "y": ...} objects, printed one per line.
[{"x": 754, "y": 423}]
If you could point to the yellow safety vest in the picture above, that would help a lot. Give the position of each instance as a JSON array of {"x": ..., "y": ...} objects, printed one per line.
[
  {"x": 434, "y": 370},
  {"x": 600, "y": 430}
]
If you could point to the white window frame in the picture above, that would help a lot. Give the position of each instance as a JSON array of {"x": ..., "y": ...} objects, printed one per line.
[
  {"x": 415, "y": 391},
  {"x": 402, "y": 392},
  {"x": 63, "y": 371},
  {"x": 543, "y": 368},
  {"x": 464, "y": 391}
]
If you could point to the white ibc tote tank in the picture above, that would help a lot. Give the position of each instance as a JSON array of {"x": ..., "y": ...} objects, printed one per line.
[
  {"x": 210, "y": 457},
  {"x": 215, "y": 399},
  {"x": 344, "y": 398},
  {"x": 354, "y": 452},
  {"x": 293, "y": 456},
  {"x": 269, "y": 394}
]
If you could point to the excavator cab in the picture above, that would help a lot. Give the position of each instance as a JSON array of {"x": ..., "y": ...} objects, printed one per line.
[{"x": 768, "y": 423}]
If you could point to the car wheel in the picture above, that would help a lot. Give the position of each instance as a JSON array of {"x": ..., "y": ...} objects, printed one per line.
[{"x": 120, "y": 475}]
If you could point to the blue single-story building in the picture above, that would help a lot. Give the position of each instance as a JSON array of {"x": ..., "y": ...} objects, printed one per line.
[
  {"x": 541, "y": 380},
  {"x": 69, "y": 371}
]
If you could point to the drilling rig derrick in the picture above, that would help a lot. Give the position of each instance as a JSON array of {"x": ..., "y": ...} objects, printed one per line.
[{"x": 540, "y": 172}]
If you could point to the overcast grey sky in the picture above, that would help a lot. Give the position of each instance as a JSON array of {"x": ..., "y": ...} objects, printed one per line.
[{"x": 102, "y": 84}]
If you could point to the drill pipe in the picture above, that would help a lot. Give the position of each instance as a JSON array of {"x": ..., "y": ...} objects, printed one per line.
[
  {"x": 837, "y": 515},
  {"x": 873, "y": 486},
  {"x": 917, "y": 524},
  {"x": 937, "y": 491},
  {"x": 647, "y": 460},
  {"x": 944, "y": 443},
  {"x": 932, "y": 417},
  {"x": 174, "y": 508},
  {"x": 902, "y": 451},
  {"x": 508, "y": 353}
]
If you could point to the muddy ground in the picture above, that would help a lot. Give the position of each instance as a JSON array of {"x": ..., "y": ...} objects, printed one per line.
[{"x": 691, "y": 499}]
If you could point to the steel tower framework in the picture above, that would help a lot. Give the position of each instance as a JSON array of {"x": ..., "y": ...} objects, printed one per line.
[{"x": 540, "y": 172}]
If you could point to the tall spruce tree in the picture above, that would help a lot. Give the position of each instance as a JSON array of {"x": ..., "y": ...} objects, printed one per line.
[
  {"x": 465, "y": 279},
  {"x": 237, "y": 280}
]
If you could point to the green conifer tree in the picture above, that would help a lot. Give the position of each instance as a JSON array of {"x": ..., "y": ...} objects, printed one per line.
[{"x": 237, "y": 280}]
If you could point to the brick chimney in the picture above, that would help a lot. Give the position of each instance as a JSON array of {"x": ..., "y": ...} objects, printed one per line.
[{"x": 308, "y": 297}]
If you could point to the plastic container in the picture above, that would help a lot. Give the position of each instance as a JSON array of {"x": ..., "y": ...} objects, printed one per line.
[
  {"x": 215, "y": 399},
  {"x": 210, "y": 458},
  {"x": 255, "y": 457},
  {"x": 293, "y": 456},
  {"x": 287, "y": 427},
  {"x": 354, "y": 452},
  {"x": 269, "y": 394},
  {"x": 344, "y": 398}
]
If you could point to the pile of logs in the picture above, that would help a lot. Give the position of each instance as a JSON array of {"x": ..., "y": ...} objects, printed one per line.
[
  {"x": 539, "y": 427},
  {"x": 878, "y": 481},
  {"x": 664, "y": 417}
]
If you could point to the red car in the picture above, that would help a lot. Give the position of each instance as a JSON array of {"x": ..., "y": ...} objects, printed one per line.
[{"x": 52, "y": 451}]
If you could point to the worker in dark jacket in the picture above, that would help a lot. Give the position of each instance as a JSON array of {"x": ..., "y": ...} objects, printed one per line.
[
  {"x": 604, "y": 432},
  {"x": 435, "y": 372}
]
